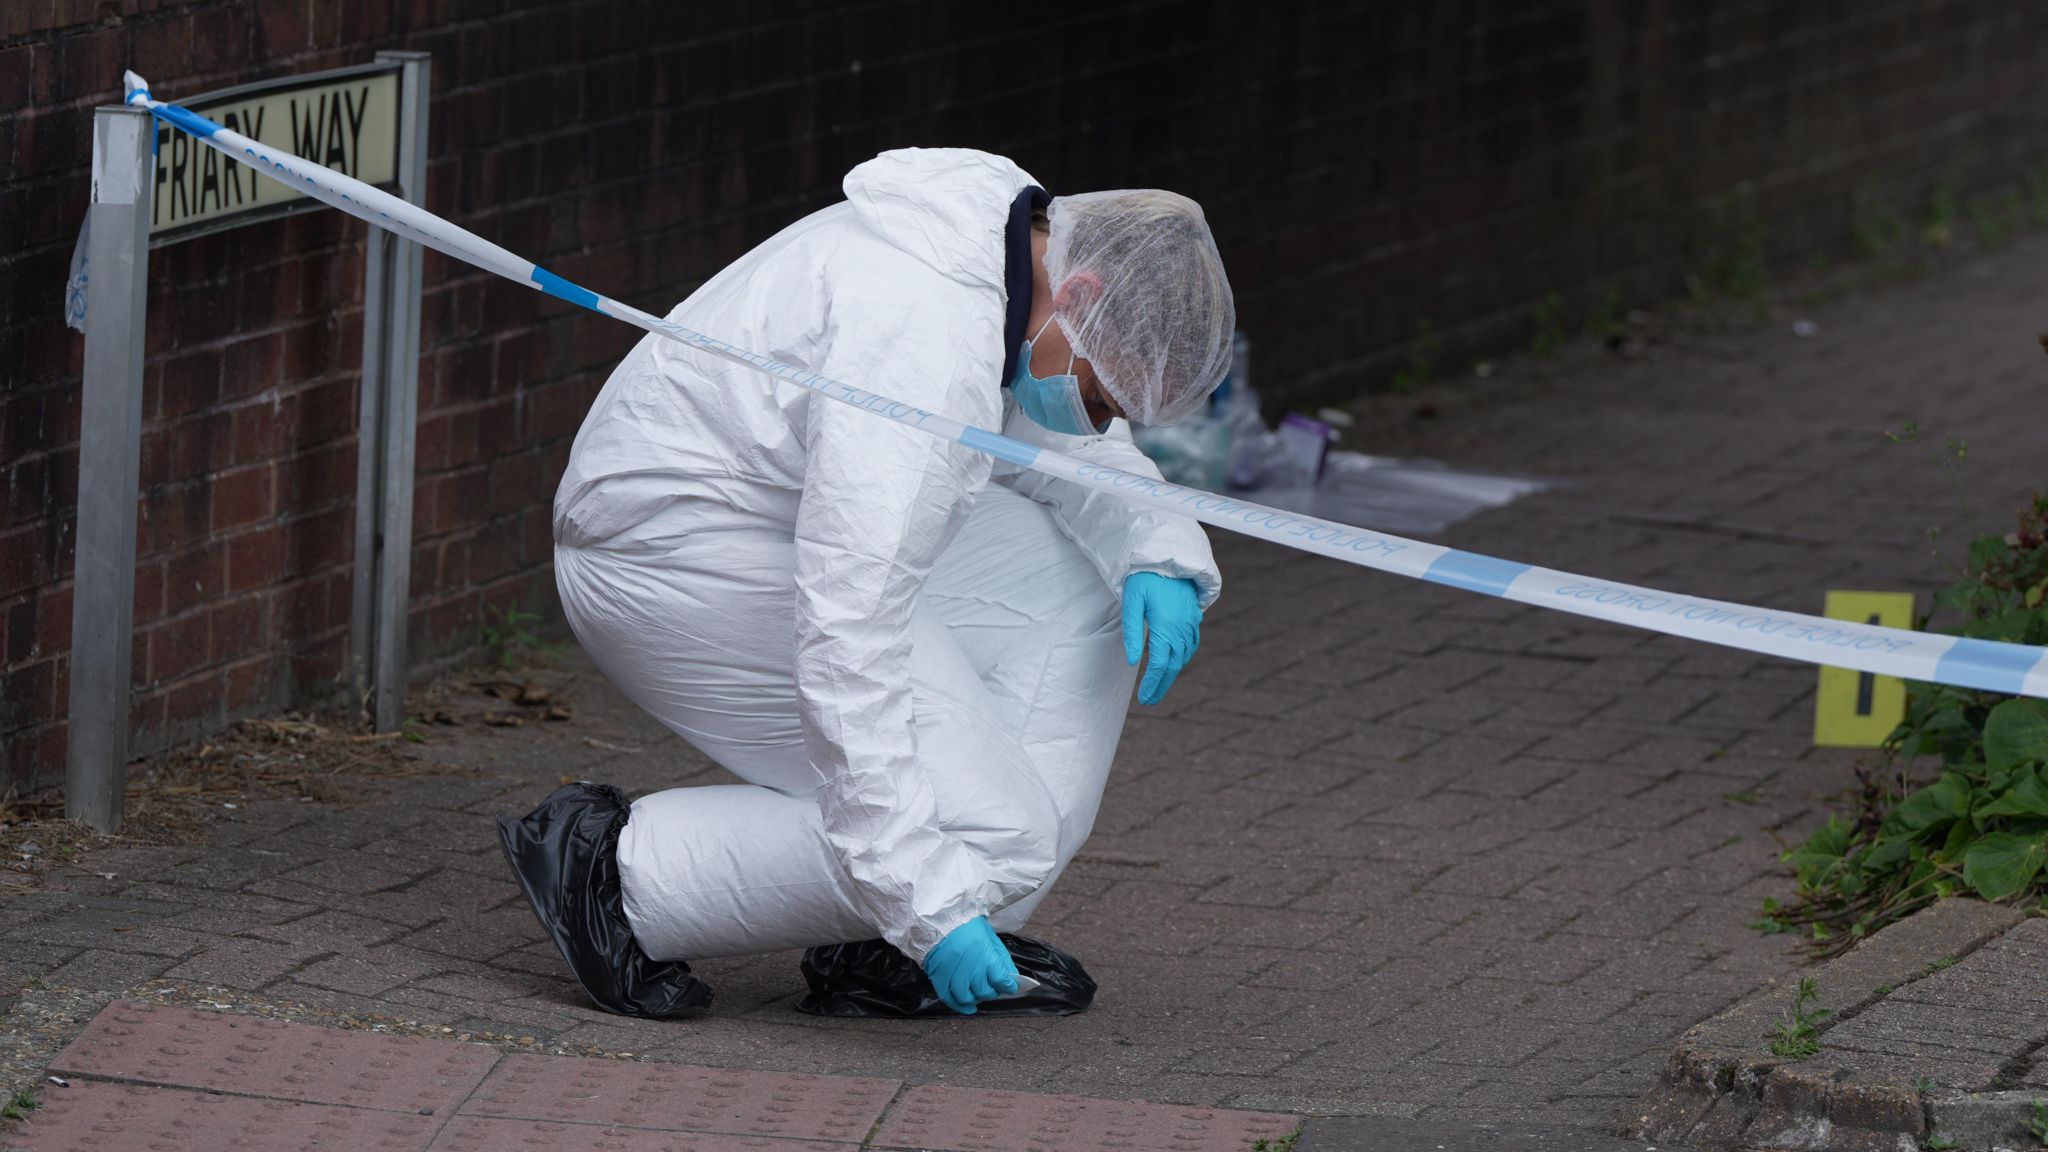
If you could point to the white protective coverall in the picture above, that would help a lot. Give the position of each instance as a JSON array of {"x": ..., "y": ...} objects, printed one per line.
[{"x": 920, "y": 675}]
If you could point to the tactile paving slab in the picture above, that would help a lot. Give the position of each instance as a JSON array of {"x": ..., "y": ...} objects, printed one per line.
[
  {"x": 572, "y": 1090},
  {"x": 95, "y": 1117},
  {"x": 160, "y": 1044},
  {"x": 477, "y": 1134},
  {"x": 981, "y": 1120}
]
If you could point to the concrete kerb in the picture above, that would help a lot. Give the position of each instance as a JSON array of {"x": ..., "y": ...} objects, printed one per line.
[
  {"x": 1723, "y": 1088},
  {"x": 1993, "y": 1121}
]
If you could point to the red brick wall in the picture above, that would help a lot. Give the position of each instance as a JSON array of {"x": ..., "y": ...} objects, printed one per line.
[{"x": 1368, "y": 165}]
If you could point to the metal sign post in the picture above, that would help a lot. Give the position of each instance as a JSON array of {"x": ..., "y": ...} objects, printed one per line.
[
  {"x": 385, "y": 429},
  {"x": 109, "y": 458},
  {"x": 368, "y": 121}
]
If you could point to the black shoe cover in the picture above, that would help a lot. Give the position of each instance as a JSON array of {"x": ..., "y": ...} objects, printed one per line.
[
  {"x": 565, "y": 854},
  {"x": 872, "y": 978}
]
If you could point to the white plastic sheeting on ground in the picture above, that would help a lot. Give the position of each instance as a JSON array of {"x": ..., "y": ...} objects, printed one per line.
[{"x": 1417, "y": 496}]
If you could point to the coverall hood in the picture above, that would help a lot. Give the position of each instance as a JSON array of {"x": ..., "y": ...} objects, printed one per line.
[{"x": 944, "y": 206}]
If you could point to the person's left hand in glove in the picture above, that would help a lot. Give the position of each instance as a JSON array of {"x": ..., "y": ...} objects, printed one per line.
[
  {"x": 971, "y": 965},
  {"x": 1170, "y": 610}
]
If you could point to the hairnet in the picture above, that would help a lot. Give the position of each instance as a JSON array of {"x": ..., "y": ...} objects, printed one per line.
[{"x": 1158, "y": 330}]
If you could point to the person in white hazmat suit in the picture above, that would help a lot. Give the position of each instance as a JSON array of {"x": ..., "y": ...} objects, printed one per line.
[{"x": 921, "y": 675}]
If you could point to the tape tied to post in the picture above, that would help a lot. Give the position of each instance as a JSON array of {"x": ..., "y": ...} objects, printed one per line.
[{"x": 2013, "y": 669}]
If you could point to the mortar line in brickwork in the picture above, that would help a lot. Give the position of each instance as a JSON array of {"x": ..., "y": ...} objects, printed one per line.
[
  {"x": 903, "y": 1088},
  {"x": 2013, "y": 1071},
  {"x": 497, "y": 1058},
  {"x": 1874, "y": 998},
  {"x": 409, "y": 884},
  {"x": 138, "y": 1082},
  {"x": 295, "y": 969}
]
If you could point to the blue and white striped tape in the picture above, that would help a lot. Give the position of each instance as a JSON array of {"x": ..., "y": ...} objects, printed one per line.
[{"x": 1998, "y": 667}]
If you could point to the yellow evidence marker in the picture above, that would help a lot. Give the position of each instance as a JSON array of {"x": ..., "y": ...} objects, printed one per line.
[{"x": 1859, "y": 709}]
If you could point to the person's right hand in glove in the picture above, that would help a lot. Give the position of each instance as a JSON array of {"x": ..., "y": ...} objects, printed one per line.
[
  {"x": 971, "y": 965},
  {"x": 1163, "y": 620}
]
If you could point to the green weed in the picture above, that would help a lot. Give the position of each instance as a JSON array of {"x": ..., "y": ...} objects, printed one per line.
[
  {"x": 1939, "y": 229},
  {"x": 1798, "y": 1035},
  {"x": 1548, "y": 317},
  {"x": 2038, "y": 1125},
  {"x": 1283, "y": 1144},
  {"x": 1422, "y": 354},
  {"x": 2035, "y": 191},
  {"x": 20, "y": 1105},
  {"x": 1995, "y": 218},
  {"x": 1875, "y": 229},
  {"x": 1734, "y": 257},
  {"x": 1740, "y": 271},
  {"x": 1981, "y": 826},
  {"x": 1948, "y": 459},
  {"x": 508, "y": 635},
  {"x": 1605, "y": 322}
]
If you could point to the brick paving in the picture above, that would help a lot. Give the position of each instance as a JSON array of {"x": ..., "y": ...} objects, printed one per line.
[
  {"x": 151, "y": 1044},
  {"x": 1389, "y": 848},
  {"x": 145, "y": 1076}
]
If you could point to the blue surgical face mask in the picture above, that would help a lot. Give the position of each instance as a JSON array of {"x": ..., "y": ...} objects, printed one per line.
[{"x": 1052, "y": 402}]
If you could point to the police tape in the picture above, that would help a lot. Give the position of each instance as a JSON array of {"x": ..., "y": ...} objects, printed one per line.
[{"x": 2015, "y": 669}]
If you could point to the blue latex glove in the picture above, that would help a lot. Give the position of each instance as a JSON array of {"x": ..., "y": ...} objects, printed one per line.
[
  {"x": 971, "y": 965},
  {"x": 1171, "y": 610}
]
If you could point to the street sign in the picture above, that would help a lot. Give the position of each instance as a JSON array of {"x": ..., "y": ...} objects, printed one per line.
[
  {"x": 154, "y": 185},
  {"x": 1859, "y": 709},
  {"x": 347, "y": 119}
]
